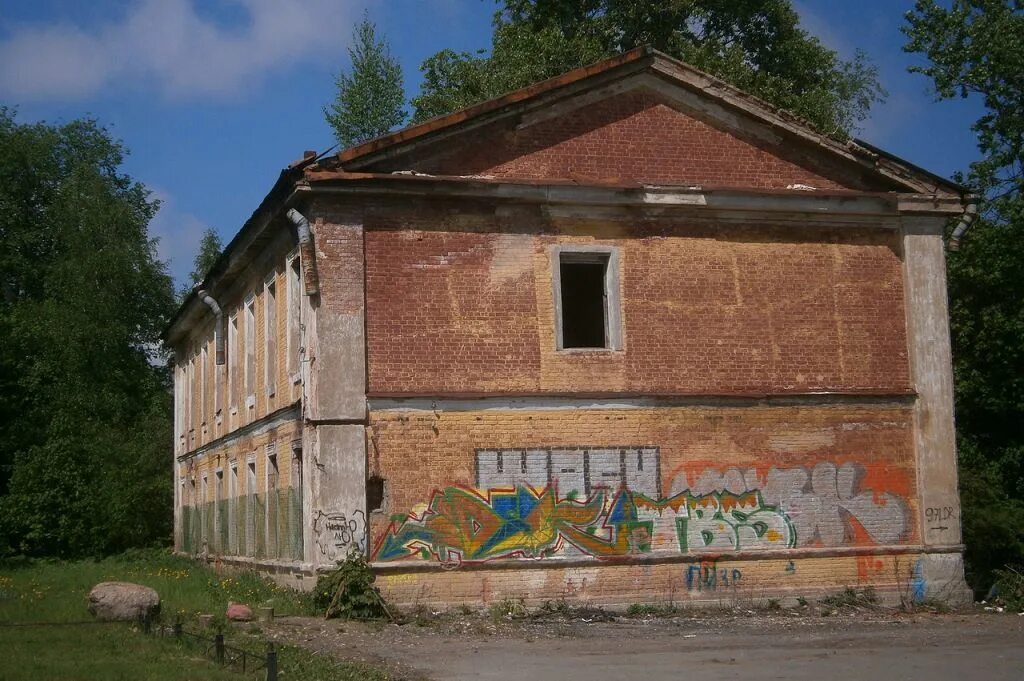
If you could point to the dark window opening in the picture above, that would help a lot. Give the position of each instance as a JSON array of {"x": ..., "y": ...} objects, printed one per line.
[
  {"x": 584, "y": 305},
  {"x": 374, "y": 493}
]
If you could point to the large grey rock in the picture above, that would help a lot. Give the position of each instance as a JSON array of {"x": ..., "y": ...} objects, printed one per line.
[{"x": 123, "y": 601}]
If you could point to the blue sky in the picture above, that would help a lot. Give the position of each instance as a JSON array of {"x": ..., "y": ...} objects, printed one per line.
[{"x": 214, "y": 97}]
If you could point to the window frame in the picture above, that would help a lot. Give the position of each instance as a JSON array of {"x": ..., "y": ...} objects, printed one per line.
[
  {"x": 270, "y": 326},
  {"x": 613, "y": 327},
  {"x": 232, "y": 364},
  {"x": 293, "y": 340},
  {"x": 249, "y": 374}
]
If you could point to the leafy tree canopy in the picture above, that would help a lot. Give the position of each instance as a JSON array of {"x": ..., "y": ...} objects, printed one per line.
[
  {"x": 757, "y": 45},
  {"x": 210, "y": 248},
  {"x": 975, "y": 48},
  {"x": 84, "y": 413},
  {"x": 370, "y": 98}
]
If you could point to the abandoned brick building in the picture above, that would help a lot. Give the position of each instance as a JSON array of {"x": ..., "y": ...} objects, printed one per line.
[{"x": 625, "y": 335}]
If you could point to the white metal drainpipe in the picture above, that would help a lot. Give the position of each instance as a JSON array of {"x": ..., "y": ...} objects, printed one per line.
[
  {"x": 218, "y": 328},
  {"x": 310, "y": 276}
]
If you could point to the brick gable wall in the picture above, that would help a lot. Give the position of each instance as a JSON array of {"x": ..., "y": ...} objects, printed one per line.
[{"x": 635, "y": 137}]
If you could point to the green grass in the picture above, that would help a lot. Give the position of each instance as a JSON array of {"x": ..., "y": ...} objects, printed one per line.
[
  {"x": 105, "y": 652},
  {"x": 38, "y": 592},
  {"x": 47, "y": 591}
]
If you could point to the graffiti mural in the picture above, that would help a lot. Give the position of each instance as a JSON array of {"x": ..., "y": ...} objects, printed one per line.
[
  {"x": 462, "y": 525},
  {"x": 820, "y": 501},
  {"x": 573, "y": 469},
  {"x": 606, "y": 502}
]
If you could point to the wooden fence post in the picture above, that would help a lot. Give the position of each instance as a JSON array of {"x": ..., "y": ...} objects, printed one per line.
[{"x": 271, "y": 662}]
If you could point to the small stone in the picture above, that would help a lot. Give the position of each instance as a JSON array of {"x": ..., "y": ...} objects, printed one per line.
[
  {"x": 238, "y": 612},
  {"x": 123, "y": 601}
]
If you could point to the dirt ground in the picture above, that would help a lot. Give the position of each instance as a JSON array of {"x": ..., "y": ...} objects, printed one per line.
[{"x": 789, "y": 644}]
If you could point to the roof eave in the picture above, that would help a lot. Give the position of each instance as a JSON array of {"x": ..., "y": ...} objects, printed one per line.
[
  {"x": 861, "y": 154},
  {"x": 278, "y": 197}
]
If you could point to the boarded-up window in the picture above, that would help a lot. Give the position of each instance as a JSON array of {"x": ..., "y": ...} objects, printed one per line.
[
  {"x": 205, "y": 512},
  {"x": 273, "y": 505},
  {"x": 232, "y": 363},
  {"x": 270, "y": 337},
  {"x": 204, "y": 385},
  {"x": 250, "y": 352},
  {"x": 220, "y": 526},
  {"x": 250, "y": 498},
  {"x": 233, "y": 510},
  {"x": 294, "y": 319}
]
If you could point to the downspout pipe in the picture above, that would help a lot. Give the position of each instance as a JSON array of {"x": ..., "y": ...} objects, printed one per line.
[
  {"x": 966, "y": 220},
  {"x": 310, "y": 277},
  {"x": 218, "y": 328}
]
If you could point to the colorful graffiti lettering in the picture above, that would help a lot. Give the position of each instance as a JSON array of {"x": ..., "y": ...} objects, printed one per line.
[
  {"x": 463, "y": 525},
  {"x": 821, "y": 502},
  {"x": 607, "y": 501}
]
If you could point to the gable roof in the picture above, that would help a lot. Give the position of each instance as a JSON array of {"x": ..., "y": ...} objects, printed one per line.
[
  {"x": 385, "y": 153},
  {"x": 380, "y": 160}
]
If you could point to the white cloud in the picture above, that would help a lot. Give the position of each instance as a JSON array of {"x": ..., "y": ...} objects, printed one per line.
[
  {"x": 179, "y": 234},
  {"x": 167, "y": 45}
]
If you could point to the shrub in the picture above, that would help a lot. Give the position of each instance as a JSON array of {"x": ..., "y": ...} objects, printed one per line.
[
  {"x": 851, "y": 598},
  {"x": 1009, "y": 587},
  {"x": 348, "y": 591}
]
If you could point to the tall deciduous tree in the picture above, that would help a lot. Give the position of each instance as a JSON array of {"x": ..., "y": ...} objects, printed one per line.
[
  {"x": 210, "y": 248},
  {"x": 757, "y": 45},
  {"x": 975, "y": 48},
  {"x": 84, "y": 411},
  {"x": 370, "y": 97}
]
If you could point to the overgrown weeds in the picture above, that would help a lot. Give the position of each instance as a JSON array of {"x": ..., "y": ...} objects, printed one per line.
[
  {"x": 509, "y": 609},
  {"x": 852, "y": 598},
  {"x": 348, "y": 591},
  {"x": 1009, "y": 588},
  {"x": 652, "y": 610}
]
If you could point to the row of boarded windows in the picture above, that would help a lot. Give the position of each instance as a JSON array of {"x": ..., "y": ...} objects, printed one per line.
[
  {"x": 263, "y": 522},
  {"x": 207, "y": 393},
  {"x": 265, "y": 526}
]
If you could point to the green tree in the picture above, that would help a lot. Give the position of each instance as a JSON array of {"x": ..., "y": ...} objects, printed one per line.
[
  {"x": 84, "y": 405},
  {"x": 975, "y": 49},
  {"x": 370, "y": 98},
  {"x": 210, "y": 248},
  {"x": 757, "y": 45}
]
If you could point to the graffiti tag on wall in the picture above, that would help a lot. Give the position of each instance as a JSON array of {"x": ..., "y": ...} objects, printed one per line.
[
  {"x": 579, "y": 470},
  {"x": 336, "y": 534},
  {"x": 820, "y": 501},
  {"x": 707, "y": 576},
  {"x": 463, "y": 525}
]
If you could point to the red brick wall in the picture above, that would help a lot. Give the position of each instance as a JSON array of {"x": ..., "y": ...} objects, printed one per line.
[
  {"x": 419, "y": 453},
  {"x": 630, "y": 137},
  {"x": 730, "y": 310}
]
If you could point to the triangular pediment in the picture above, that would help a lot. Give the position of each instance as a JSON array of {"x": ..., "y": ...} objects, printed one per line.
[{"x": 639, "y": 118}]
